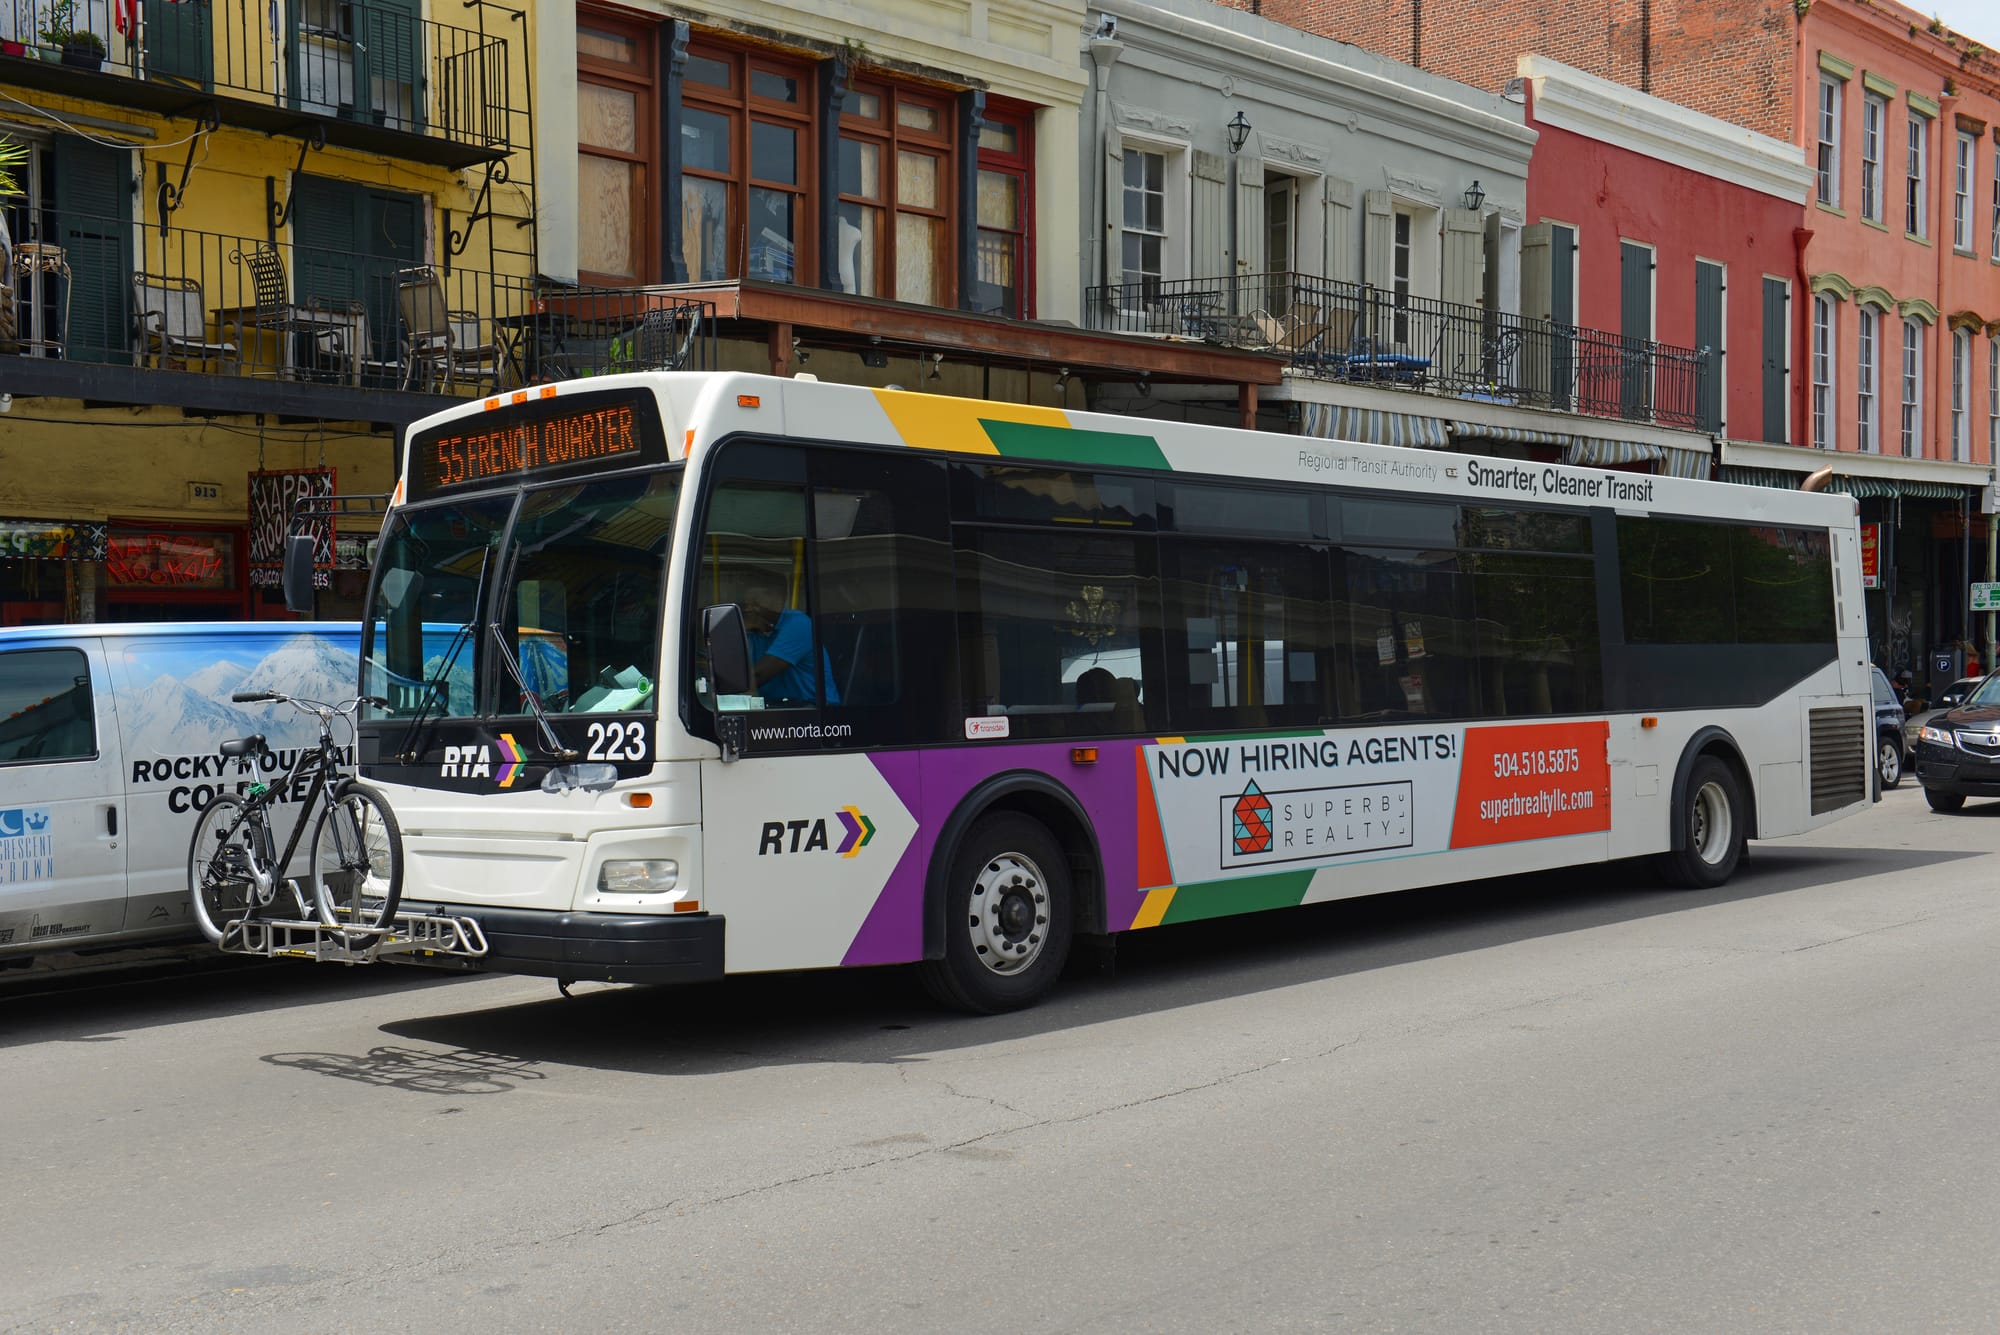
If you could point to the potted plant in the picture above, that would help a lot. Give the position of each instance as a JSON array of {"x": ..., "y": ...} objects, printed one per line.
[{"x": 80, "y": 47}]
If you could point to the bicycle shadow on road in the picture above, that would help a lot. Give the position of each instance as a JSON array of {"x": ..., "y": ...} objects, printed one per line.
[{"x": 879, "y": 1016}]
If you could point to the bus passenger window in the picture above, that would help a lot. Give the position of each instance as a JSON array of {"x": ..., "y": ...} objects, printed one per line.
[
  {"x": 1044, "y": 610},
  {"x": 45, "y": 706}
]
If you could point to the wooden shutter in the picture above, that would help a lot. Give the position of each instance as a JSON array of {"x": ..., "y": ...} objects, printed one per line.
[
  {"x": 1114, "y": 209},
  {"x": 1562, "y": 312},
  {"x": 1464, "y": 256},
  {"x": 348, "y": 243},
  {"x": 388, "y": 63},
  {"x": 1777, "y": 339},
  {"x": 93, "y": 197},
  {"x": 1708, "y": 339},
  {"x": 1249, "y": 250},
  {"x": 1342, "y": 260},
  {"x": 1635, "y": 314},
  {"x": 1378, "y": 261},
  {"x": 1208, "y": 243}
]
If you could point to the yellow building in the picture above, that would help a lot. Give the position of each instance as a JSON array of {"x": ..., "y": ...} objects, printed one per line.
[{"x": 246, "y": 240}]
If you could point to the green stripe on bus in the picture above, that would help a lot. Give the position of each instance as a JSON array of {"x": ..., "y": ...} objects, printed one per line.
[
  {"x": 1111, "y": 449},
  {"x": 1247, "y": 894}
]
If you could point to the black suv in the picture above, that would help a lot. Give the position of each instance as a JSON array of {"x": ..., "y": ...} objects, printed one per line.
[{"x": 1958, "y": 751}]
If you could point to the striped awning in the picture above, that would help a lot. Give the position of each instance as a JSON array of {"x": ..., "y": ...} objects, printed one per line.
[
  {"x": 1746, "y": 476},
  {"x": 1896, "y": 486},
  {"x": 1601, "y": 453},
  {"x": 1517, "y": 435},
  {"x": 1373, "y": 426},
  {"x": 1684, "y": 463},
  {"x": 1850, "y": 484}
]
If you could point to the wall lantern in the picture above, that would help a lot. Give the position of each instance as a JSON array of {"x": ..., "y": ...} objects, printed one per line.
[
  {"x": 1239, "y": 131},
  {"x": 1475, "y": 196}
]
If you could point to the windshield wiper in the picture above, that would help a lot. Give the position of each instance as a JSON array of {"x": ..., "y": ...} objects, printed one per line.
[
  {"x": 550, "y": 742},
  {"x": 434, "y": 687}
]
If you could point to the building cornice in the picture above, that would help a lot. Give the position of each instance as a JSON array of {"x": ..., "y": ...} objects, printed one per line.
[
  {"x": 1805, "y": 460},
  {"x": 1610, "y": 113},
  {"x": 1266, "y": 66}
]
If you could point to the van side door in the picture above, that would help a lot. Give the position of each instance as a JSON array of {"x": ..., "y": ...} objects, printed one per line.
[{"x": 62, "y": 799}]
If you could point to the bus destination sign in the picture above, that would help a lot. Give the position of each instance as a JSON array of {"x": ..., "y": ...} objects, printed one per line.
[{"x": 562, "y": 436}]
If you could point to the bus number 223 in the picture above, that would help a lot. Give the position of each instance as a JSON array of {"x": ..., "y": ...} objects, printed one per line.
[{"x": 617, "y": 741}]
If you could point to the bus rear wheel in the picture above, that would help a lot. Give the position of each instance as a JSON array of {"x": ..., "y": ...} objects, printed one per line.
[
  {"x": 1712, "y": 827},
  {"x": 1007, "y": 918}
]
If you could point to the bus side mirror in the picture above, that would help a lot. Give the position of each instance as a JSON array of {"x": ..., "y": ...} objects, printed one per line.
[
  {"x": 728, "y": 646},
  {"x": 300, "y": 548}
]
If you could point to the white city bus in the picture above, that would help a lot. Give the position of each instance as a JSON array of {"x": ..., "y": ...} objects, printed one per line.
[{"x": 1013, "y": 674}]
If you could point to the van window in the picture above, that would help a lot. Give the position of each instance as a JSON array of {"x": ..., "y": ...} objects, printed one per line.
[{"x": 45, "y": 707}]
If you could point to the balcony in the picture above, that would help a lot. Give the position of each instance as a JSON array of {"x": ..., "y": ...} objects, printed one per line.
[
  {"x": 364, "y": 74},
  {"x": 227, "y": 324},
  {"x": 1349, "y": 333}
]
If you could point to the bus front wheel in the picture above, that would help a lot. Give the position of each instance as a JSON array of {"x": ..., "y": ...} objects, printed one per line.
[
  {"x": 1007, "y": 918},
  {"x": 1712, "y": 824}
]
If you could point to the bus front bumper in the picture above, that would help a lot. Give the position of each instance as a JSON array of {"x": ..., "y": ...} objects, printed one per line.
[{"x": 593, "y": 947}]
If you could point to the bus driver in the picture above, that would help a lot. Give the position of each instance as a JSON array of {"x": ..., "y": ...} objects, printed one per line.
[{"x": 781, "y": 644}]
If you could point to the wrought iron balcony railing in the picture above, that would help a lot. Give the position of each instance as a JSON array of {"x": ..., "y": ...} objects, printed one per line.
[
  {"x": 1358, "y": 334},
  {"x": 361, "y": 67},
  {"x": 233, "y": 306}
]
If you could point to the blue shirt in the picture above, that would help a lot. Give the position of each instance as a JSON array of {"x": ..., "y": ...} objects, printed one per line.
[{"x": 790, "y": 642}]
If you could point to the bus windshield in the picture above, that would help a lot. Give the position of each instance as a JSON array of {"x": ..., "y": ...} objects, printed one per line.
[{"x": 576, "y": 591}]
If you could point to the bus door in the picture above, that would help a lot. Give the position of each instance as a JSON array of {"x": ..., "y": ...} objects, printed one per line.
[
  {"x": 62, "y": 816},
  {"x": 803, "y": 836}
]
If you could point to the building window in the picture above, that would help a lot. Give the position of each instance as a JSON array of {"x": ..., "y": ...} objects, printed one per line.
[
  {"x": 896, "y": 188},
  {"x": 1005, "y": 264},
  {"x": 1828, "y": 175},
  {"x": 1961, "y": 395},
  {"x": 1874, "y": 115},
  {"x": 1144, "y": 222},
  {"x": 1961, "y": 193},
  {"x": 1865, "y": 322},
  {"x": 1996, "y": 202},
  {"x": 1822, "y": 372},
  {"x": 614, "y": 143},
  {"x": 746, "y": 119},
  {"x": 1914, "y": 176},
  {"x": 1913, "y": 386},
  {"x": 1993, "y": 399}
]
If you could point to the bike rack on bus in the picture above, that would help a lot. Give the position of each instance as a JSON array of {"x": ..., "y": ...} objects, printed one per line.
[{"x": 410, "y": 934}]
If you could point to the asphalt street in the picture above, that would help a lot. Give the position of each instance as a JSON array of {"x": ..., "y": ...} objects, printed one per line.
[{"x": 1578, "y": 1103}]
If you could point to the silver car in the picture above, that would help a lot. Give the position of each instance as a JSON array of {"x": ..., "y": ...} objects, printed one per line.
[{"x": 1951, "y": 697}]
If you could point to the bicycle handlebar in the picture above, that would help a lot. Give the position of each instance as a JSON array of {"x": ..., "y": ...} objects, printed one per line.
[
  {"x": 254, "y": 697},
  {"x": 267, "y": 697}
]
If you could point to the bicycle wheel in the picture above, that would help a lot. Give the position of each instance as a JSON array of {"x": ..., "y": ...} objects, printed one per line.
[
  {"x": 357, "y": 860},
  {"x": 219, "y": 883}
]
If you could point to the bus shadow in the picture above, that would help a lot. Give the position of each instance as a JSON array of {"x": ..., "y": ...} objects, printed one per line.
[
  {"x": 99, "y": 1003},
  {"x": 880, "y": 1016}
]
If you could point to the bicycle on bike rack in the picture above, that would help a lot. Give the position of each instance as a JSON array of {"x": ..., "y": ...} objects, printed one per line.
[{"x": 237, "y": 877}]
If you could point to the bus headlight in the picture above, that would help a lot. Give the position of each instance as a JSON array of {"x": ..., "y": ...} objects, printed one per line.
[
  {"x": 655, "y": 876},
  {"x": 1938, "y": 735}
]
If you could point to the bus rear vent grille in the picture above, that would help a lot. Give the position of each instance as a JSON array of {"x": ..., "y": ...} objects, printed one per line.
[{"x": 1839, "y": 758}]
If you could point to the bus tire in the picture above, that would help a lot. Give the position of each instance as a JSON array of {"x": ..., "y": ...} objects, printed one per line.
[
  {"x": 1008, "y": 911},
  {"x": 1712, "y": 823}
]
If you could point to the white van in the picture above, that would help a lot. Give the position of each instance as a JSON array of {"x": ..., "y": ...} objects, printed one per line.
[{"x": 108, "y": 750}]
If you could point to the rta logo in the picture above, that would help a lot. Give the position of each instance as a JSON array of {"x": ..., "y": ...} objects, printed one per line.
[
  {"x": 810, "y": 835},
  {"x": 466, "y": 762}
]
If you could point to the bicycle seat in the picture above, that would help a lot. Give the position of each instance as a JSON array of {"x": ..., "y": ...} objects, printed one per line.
[{"x": 243, "y": 746}]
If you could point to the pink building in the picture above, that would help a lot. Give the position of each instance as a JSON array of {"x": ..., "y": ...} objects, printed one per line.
[{"x": 1899, "y": 261}]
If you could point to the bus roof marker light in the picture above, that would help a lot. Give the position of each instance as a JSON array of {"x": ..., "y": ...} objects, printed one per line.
[
  {"x": 1649, "y": 722},
  {"x": 490, "y": 404},
  {"x": 548, "y": 391},
  {"x": 520, "y": 397}
]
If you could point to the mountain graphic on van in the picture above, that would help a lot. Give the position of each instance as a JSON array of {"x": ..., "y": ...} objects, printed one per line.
[{"x": 191, "y": 713}]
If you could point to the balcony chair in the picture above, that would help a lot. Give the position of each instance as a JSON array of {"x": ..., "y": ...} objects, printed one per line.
[
  {"x": 439, "y": 344},
  {"x": 171, "y": 322},
  {"x": 304, "y": 338}
]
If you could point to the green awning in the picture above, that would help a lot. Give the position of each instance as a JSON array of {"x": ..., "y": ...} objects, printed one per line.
[
  {"x": 1745, "y": 476},
  {"x": 1338, "y": 421},
  {"x": 1849, "y": 484}
]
